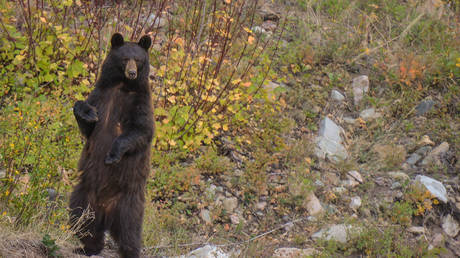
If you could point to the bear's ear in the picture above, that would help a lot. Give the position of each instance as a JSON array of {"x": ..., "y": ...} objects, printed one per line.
[
  {"x": 117, "y": 40},
  {"x": 145, "y": 42}
]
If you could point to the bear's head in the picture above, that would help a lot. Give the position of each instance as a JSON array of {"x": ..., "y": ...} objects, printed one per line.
[{"x": 127, "y": 61}]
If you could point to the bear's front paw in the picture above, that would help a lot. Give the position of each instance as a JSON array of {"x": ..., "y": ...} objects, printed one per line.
[
  {"x": 85, "y": 111},
  {"x": 112, "y": 158}
]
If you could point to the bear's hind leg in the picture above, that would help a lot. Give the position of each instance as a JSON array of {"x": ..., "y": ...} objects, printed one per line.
[
  {"x": 126, "y": 228},
  {"x": 90, "y": 230},
  {"x": 93, "y": 243}
]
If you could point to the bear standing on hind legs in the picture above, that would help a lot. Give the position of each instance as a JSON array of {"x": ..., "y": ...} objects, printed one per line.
[{"x": 117, "y": 122}]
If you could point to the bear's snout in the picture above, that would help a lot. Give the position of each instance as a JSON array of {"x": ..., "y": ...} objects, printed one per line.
[{"x": 131, "y": 70}]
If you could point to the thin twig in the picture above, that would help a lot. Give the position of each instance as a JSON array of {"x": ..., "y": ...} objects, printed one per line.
[{"x": 405, "y": 31}]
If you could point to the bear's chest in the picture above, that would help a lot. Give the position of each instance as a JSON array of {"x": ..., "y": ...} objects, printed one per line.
[{"x": 115, "y": 111}]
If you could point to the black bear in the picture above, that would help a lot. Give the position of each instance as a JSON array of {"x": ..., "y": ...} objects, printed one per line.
[{"x": 117, "y": 122}]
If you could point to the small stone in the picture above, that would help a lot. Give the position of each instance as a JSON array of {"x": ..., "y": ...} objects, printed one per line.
[
  {"x": 337, "y": 96},
  {"x": 211, "y": 191},
  {"x": 398, "y": 175},
  {"x": 258, "y": 30},
  {"x": 380, "y": 181},
  {"x": 331, "y": 178},
  {"x": 413, "y": 158},
  {"x": 350, "y": 183},
  {"x": 338, "y": 233},
  {"x": 395, "y": 185},
  {"x": 423, "y": 151},
  {"x": 2, "y": 173},
  {"x": 205, "y": 216},
  {"x": 349, "y": 120},
  {"x": 369, "y": 114},
  {"x": 438, "y": 239},
  {"x": 293, "y": 252},
  {"x": 207, "y": 251},
  {"x": 52, "y": 194},
  {"x": 416, "y": 230},
  {"x": 288, "y": 226},
  {"x": 159, "y": 22},
  {"x": 450, "y": 226},
  {"x": 435, "y": 154},
  {"x": 339, "y": 190},
  {"x": 356, "y": 175},
  {"x": 424, "y": 107},
  {"x": 261, "y": 206},
  {"x": 435, "y": 187},
  {"x": 230, "y": 204},
  {"x": 355, "y": 203},
  {"x": 235, "y": 219},
  {"x": 312, "y": 205},
  {"x": 360, "y": 87},
  {"x": 425, "y": 141},
  {"x": 329, "y": 141}
]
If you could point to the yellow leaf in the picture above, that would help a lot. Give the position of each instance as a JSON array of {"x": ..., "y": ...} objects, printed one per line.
[
  {"x": 225, "y": 127},
  {"x": 216, "y": 126},
  {"x": 236, "y": 81},
  {"x": 248, "y": 30}
]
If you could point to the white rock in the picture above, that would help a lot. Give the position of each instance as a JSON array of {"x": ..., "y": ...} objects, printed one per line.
[
  {"x": 338, "y": 233},
  {"x": 413, "y": 158},
  {"x": 350, "y": 182},
  {"x": 398, "y": 175},
  {"x": 313, "y": 205},
  {"x": 416, "y": 230},
  {"x": 159, "y": 22},
  {"x": 293, "y": 252},
  {"x": 207, "y": 251},
  {"x": 356, "y": 175},
  {"x": 360, "y": 87},
  {"x": 205, "y": 216},
  {"x": 230, "y": 204},
  {"x": 355, "y": 203},
  {"x": 337, "y": 96},
  {"x": 450, "y": 226},
  {"x": 261, "y": 205},
  {"x": 369, "y": 114},
  {"x": 329, "y": 141},
  {"x": 435, "y": 187},
  {"x": 437, "y": 240},
  {"x": 435, "y": 154},
  {"x": 235, "y": 219},
  {"x": 349, "y": 120},
  {"x": 258, "y": 30}
]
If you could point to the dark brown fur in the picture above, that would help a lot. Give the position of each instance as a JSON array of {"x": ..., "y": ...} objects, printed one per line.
[{"x": 117, "y": 120}]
